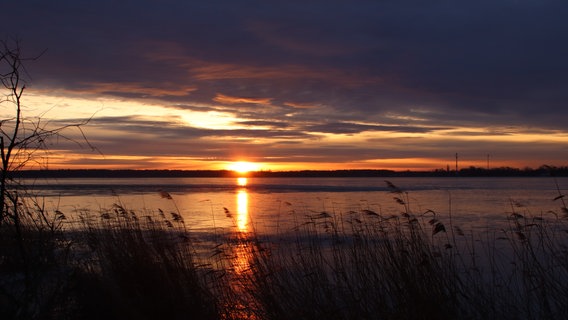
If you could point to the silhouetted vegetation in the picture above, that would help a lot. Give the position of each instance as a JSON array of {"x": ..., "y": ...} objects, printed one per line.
[
  {"x": 33, "y": 250},
  {"x": 464, "y": 172},
  {"x": 117, "y": 263}
]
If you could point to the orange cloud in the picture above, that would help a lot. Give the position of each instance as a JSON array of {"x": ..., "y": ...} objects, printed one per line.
[
  {"x": 140, "y": 88},
  {"x": 213, "y": 71},
  {"x": 218, "y": 71},
  {"x": 221, "y": 98},
  {"x": 205, "y": 70},
  {"x": 302, "y": 105}
]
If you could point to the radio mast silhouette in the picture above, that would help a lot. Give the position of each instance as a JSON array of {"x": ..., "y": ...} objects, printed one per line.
[{"x": 456, "y": 163}]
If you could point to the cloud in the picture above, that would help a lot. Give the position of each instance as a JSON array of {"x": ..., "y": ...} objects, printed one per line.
[
  {"x": 301, "y": 105},
  {"x": 262, "y": 123},
  {"x": 138, "y": 89},
  {"x": 291, "y": 73},
  {"x": 352, "y": 128},
  {"x": 134, "y": 127},
  {"x": 221, "y": 98}
]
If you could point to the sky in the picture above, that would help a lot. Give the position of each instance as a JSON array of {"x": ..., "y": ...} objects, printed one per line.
[{"x": 297, "y": 85}]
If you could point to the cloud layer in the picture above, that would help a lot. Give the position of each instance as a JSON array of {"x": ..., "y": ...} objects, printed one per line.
[{"x": 349, "y": 84}]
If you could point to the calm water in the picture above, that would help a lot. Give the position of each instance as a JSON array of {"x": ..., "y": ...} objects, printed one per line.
[{"x": 267, "y": 203}]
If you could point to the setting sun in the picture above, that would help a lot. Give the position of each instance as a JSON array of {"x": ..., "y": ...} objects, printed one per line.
[{"x": 243, "y": 166}]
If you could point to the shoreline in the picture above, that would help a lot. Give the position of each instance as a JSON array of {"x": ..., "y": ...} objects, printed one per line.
[{"x": 543, "y": 171}]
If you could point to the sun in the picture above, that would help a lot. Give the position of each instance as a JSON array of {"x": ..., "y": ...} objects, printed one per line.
[{"x": 243, "y": 167}]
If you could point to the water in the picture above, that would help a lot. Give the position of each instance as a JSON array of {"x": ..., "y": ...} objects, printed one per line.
[{"x": 268, "y": 203}]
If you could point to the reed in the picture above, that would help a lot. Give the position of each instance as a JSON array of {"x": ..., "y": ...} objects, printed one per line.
[
  {"x": 364, "y": 265},
  {"x": 34, "y": 260},
  {"x": 361, "y": 266},
  {"x": 145, "y": 267}
]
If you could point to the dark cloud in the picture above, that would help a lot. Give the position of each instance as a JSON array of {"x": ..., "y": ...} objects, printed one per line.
[
  {"x": 352, "y": 128},
  {"x": 273, "y": 124}
]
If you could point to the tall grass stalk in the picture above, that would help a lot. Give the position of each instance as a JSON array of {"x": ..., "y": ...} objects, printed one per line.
[
  {"x": 34, "y": 262},
  {"x": 145, "y": 267}
]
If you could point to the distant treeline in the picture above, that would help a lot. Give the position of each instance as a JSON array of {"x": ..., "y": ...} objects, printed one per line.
[{"x": 464, "y": 172}]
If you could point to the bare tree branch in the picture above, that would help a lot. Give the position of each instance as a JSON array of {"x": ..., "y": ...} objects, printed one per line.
[{"x": 22, "y": 137}]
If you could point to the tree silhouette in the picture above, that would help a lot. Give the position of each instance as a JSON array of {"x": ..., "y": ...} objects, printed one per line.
[{"x": 21, "y": 136}]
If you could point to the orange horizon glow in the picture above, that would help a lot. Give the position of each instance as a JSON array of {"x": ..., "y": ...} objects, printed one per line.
[
  {"x": 243, "y": 167},
  {"x": 125, "y": 157},
  {"x": 61, "y": 160}
]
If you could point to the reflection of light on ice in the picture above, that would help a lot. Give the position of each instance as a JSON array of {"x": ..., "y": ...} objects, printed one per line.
[
  {"x": 242, "y": 182},
  {"x": 242, "y": 210}
]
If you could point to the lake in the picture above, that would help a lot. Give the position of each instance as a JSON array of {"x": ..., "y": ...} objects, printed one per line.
[{"x": 268, "y": 203}]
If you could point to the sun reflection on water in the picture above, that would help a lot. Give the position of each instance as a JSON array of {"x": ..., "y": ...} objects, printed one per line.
[
  {"x": 242, "y": 250},
  {"x": 242, "y": 182},
  {"x": 242, "y": 254},
  {"x": 242, "y": 210}
]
